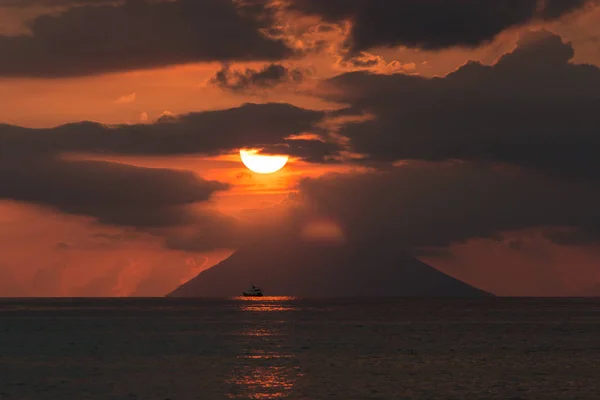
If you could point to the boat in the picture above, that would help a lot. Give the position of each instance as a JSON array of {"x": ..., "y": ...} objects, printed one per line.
[{"x": 253, "y": 292}]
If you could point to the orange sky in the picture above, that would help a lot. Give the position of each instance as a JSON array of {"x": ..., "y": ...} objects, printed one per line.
[{"x": 47, "y": 253}]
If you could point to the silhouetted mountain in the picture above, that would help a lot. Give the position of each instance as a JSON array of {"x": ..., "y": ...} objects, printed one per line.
[{"x": 297, "y": 268}]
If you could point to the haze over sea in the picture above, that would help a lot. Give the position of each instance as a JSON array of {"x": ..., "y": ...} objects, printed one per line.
[{"x": 274, "y": 348}]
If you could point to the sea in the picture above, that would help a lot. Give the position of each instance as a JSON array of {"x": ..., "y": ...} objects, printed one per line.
[{"x": 293, "y": 348}]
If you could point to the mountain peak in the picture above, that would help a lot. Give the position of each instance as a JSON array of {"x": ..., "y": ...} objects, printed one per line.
[{"x": 313, "y": 269}]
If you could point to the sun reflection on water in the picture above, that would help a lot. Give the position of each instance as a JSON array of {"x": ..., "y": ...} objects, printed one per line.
[
  {"x": 265, "y": 369},
  {"x": 265, "y": 304},
  {"x": 265, "y": 382}
]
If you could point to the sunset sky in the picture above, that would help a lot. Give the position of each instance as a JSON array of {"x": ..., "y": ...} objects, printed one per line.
[{"x": 463, "y": 131}]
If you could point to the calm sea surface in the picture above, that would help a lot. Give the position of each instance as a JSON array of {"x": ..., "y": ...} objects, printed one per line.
[{"x": 278, "y": 348}]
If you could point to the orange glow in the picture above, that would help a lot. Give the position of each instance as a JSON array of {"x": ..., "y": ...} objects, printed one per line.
[
  {"x": 323, "y": 231},
  {"x": 44, "y": 249},
  {"x": 263, "y": 382},
  {"x": 265, "y": 304},
  {"x": 117, "y": 262},
  {"x": 248, "y": 190}
]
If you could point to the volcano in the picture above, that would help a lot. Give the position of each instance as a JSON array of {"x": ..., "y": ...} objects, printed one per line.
[{"x": 308, "y": 269}]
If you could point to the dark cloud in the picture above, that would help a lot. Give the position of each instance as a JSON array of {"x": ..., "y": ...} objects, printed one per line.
[
  {"x": 112, "y": 193},
  {"x": 210, "y": 132},
  {"x": 54, "y": 3},
  {"x": 251, "y": 79},
  {"x": 315, "y": 151},
  {"x": 434, "y": 24},
  {"x": 252, "y": 226},
  {"x": 97, "y": 38},
  {"x": 365, "y": 62},
  {"x": 533, "y": 108},
  {"x": 586, "y": 234},
  {"x": 425, "y": 205},
  {"x": 215, "y": 230}
]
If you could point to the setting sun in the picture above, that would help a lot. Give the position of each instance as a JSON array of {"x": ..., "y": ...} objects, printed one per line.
[{"x": 262, "y": 164}]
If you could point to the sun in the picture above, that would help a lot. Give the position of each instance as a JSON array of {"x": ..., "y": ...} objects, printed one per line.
[{"x": 262, "y": 164}]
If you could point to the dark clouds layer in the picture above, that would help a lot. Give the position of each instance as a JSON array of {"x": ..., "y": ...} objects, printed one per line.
[
  {"x": 533, "y": 108},
  {"x": 584, "y": 234},
  {"x": 54, "y": 3},
  {"x": 433, "y": 24},
  {"x": 209, "y": 132},
  {"x": 500, "y": 148},
  {"x": 110, "y": 192},
  {"x": 98, "y": 36},
  {"x": 95, "y": 39},
  {"x": 251, "y": 79},
  {"x": 437, "y": 204},
  {"x": 419, "y": 208},
  {"x": 32, "y": 170}
]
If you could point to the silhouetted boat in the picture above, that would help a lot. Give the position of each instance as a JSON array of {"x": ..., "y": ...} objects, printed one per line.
[{"x": 253, "y": 292}]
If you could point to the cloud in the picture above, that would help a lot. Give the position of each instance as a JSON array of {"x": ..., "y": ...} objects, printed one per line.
[
  {"x": 126, "y": 99},
  {"x": 97, "y": 38},
  {"x": 367, "y": 61},
  {"x": 428, "y": 205},
  {"x": 112, "y": 193},
  {"x": 54, "y": 3},
  {"x": 586, "y": 234},
  {"x": 250, "y": 79},
  {"x": 214, "y": 230},
  {"x": 533, "y": 108},
  {"x": 209, "y": 132},
  {"x": 253, "y": 226},
  {"x": 432, "y": 25}
]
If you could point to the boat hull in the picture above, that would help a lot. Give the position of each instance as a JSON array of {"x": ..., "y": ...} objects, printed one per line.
[{"x": 252, "y": 295}]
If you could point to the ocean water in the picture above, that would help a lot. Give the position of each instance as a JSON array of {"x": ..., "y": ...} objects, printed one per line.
[{"x": 284, "y": 348}]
